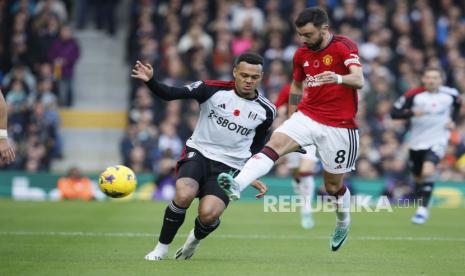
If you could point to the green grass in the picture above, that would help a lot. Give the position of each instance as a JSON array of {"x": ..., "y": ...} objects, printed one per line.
[{"x": 111, "y": 238}]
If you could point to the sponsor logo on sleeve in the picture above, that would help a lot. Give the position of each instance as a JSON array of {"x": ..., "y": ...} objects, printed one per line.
[{"x": 193, "y": 85}]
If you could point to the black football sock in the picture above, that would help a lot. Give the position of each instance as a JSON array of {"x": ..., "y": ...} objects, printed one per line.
[
  {"x": 174, "y": 218},
  {"x": 417, "y": 192},
  {"x": 202, "y": 231},
  {"x": 425, "y": 193}
]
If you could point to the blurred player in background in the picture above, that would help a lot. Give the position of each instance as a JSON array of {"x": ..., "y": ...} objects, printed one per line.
[
  {"x": 327, "y": 71},
  {"x": 233, "y": 124},
  {"x": 431, "y": 111},
  {"x": 7, "y": 153},
  {"x": 302, "y": 166}
]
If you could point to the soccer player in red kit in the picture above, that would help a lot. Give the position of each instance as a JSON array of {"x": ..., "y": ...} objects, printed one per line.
[{"x": 327, "y": 74}]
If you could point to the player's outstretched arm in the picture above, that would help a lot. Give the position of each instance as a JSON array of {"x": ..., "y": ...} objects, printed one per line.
[
  {"x": 295, "y": 96},
  {"x": 7, "y": 154},
  {"x": 144, "y": 72}
]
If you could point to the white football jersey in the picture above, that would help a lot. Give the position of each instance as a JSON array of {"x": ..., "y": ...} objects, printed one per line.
[
  {"x": 430, "y": 131},
  {"x": 230, "y": 127}
]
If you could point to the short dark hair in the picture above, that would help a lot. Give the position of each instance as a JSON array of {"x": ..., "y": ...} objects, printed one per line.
[
  {"x": 316, "y": 15},
  {"x": 249, "y": 57},
  {"x": 437, "y": 69}
]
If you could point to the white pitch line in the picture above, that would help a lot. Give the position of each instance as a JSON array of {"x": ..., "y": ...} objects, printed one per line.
[{"x": 229, "y": 236}]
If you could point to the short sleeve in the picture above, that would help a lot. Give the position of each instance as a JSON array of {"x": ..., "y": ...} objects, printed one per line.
[{"x": 349, "y": 52}]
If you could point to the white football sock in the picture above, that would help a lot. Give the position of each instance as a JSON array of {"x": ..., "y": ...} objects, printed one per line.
[
  {"x": 256, "y": 167},
  {"x": 343, "y": 209},
  {"x": 306, "y": 190},
  {"x": 423, "y": 211}
]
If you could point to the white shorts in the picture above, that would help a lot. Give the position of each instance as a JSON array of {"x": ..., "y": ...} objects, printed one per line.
[
  {"x": 337, "y": 148},
  {"x": 293, "y": 158}
]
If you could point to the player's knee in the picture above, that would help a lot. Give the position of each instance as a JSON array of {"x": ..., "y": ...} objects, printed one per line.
[
  {"x": 428, "y": 171},
  {"x": 332, "y": 187},
  {"x": 183, "y": 199},
  {"x": 209, "y": 217}
]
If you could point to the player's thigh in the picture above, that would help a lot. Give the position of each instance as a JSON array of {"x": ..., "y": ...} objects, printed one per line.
[
  {"x": 282, "y": 143},
  {"x": 211, "y": 208},
  {"x": 210, "y": 185},
  {"x": 295, "y": 132},
  {"x": 190, "y": 174},
  {"x": 416, "y": 160},
  {"x": 332, "y": 180},
  {"x": 338, "y": 149},
  {"x": 430, "y": 163}
]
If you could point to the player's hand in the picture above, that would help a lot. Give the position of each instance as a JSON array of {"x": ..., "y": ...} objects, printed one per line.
[
  {"x": 142, "y": 72},
  {"x": 7, "y": 154},
  {"x": 261, "y": 187},
  {"x": 326, "y": 77}
]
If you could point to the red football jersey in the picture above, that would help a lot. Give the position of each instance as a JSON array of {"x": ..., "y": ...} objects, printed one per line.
[{"x": 329, "y": 104}]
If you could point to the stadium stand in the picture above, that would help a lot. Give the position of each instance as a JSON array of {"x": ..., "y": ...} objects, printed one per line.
[
  {"x": 196, "y": 40},
  {"x": 397, "y": 40}
]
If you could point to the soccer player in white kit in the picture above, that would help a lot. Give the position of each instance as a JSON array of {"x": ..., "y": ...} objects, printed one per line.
[
  {"x": 431, "y": 111},
  {"x": 233, "y": 124}
]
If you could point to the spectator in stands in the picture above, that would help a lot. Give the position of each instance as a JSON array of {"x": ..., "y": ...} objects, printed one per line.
[
  {"x": 166, "y": 180},
  {"x": 74, "y": 186},
  {"x": 63, "y": 54},
  {"x": 397, "y": 43}
]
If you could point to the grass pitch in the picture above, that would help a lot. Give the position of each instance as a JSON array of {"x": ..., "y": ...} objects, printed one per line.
[{"x": 111, "y": 238}]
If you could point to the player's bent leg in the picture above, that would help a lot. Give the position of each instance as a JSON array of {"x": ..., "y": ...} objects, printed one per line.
[
  {"x": 335, "y": 187},
  {"x": 258, "y": 165},
  {"x": 175, "y": 213},
  {"x": 210, "y": 210},
  {"x": 424, "y": 192}
]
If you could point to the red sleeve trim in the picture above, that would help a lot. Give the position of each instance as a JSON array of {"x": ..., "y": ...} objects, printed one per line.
[
  {"x": 220, "y": 83},
  {"x": 413, "y": 92}
]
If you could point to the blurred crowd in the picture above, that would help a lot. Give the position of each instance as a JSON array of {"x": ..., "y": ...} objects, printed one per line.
[
  {"x": 37, "y": 57},
  {"x": 194, "y": 40},
  {"x": 197, "y": 40}
]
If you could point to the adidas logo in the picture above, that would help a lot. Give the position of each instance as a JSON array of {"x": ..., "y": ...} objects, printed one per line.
[
  {"x": 338, "y": 167},
  {"x": 223, "y": 106},
  {"x": 306, "y": 64}
]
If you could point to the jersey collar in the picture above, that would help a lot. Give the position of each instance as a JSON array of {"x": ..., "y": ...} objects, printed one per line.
[{"x": 253, "y": 99}]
